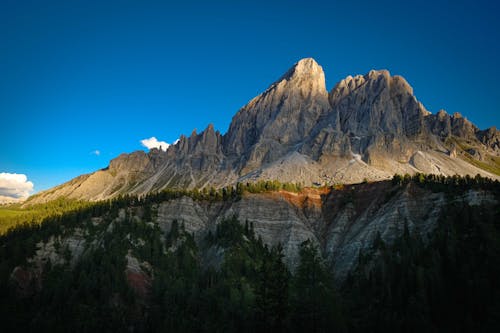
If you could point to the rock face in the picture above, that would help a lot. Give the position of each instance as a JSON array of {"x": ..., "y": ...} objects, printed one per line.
[
  {"x": 277, "y": 217},
  {"x": 343, "y": 222},
  {"x": 367, "y": 127},
  {"x": 283, "y": 116},
  {"x": 491, "y": 139}
]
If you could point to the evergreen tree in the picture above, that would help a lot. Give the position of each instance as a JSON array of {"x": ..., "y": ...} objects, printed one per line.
[
  {"x": 314, "y": 301},
  {"x": 272, "y": 293}
]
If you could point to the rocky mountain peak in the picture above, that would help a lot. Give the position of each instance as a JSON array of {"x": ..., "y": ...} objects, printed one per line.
[
  {"x": 210, "y": 128},
  {"x": 491, "y": 138},
  {"x": 132, "y": 162},
  {"x": 282, "y": 116},
  {"x": 377, "y": 74},
  {"x": 379, "y": 80},
  {"x": 399, "y": 82},
  {"x": 441, "y": 114},
  {"x": 345, "y": 86},
  {"x": 304, "y": 67},
  {"x": 374, "y": 82},
  {"x": 377, "y": 103},
  {"x": 306, "y": 75}
]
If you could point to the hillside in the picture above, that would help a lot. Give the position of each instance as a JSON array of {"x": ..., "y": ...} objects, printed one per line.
[{"x": 257, "y": 257}]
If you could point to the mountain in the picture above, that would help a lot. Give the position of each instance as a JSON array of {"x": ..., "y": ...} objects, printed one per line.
[
  {"x": 368, "y": 127},
  {"x": 217, "y": 234}
]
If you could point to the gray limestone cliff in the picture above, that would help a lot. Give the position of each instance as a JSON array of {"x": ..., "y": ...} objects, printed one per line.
[{"x": 342, "y": 221}]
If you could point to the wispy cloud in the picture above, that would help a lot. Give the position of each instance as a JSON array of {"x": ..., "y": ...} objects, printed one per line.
[
  {"x": 96, "y": 152},
  {"x": 14, "y": 186},
  {"x": 152, "y": 142}
]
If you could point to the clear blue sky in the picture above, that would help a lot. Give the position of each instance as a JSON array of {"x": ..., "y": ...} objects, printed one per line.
[{"x": 80, "y": 76}]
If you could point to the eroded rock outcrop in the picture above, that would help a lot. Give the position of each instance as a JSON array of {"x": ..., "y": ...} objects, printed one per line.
[{"x": 343, "y": 222}]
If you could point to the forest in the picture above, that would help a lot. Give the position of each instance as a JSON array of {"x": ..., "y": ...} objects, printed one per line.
[{"x": 231, "y": 281}]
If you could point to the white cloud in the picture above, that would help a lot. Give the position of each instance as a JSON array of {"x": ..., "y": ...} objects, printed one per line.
[
  {"x": 152, "y": 142},
  {"x": 96, "y": 152},
  {"x": 14, "y": 185}
]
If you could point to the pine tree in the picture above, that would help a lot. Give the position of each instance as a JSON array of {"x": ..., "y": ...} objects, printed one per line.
[
  {"x": 314, "y": 300},
  {"x": 272, "y": 293}
]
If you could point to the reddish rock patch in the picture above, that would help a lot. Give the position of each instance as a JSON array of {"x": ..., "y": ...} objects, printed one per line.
[
  {"x": 139, "y": 282},
  {"x": 307, "y": 198}
]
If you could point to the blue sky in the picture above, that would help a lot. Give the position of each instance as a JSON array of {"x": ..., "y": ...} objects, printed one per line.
[{"x": 81, "y": 76}]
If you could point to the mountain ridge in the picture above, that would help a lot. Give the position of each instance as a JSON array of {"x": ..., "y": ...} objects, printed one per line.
[{"x": 366, "y": 127}]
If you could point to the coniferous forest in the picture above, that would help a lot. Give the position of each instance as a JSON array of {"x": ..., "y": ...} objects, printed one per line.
[{"x": 231, "y": 281}]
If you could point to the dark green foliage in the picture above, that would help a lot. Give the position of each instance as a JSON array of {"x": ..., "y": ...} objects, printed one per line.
[
  {"x": 221, "y": 194},
  {"x": 271, "y": 299},
  {"x": 449, "y": 184},
  {"x": 250, "y": 290},
  {"x": 450, "y": 284},
  {"x": 315, "y": 302},
  {"x": 229, "y": 233},
  {"x": 35, "y": 214},
  {"x": 93, "y": 294},
  {"x": 267, "y": 186},
  {"x": 175, "y": 287}
]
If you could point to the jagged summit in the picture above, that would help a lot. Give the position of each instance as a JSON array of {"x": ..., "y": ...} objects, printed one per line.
[
  {"x": 307, "y": 65},
  {"x": 378, "y": 103},
  {"x": 283, "y": 115},
  {"x": 305, "y": 75},
  {"x": 376, "y": 79},
  {"x": 367, "y": 127},
  {"x": 304, "y": 69}
]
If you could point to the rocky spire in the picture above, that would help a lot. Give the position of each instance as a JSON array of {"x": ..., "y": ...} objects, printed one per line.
[
  {"x": 377, "y": 103},
  {"x": 280, "y": 117},
  {"x": 305, "y": 75}
]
